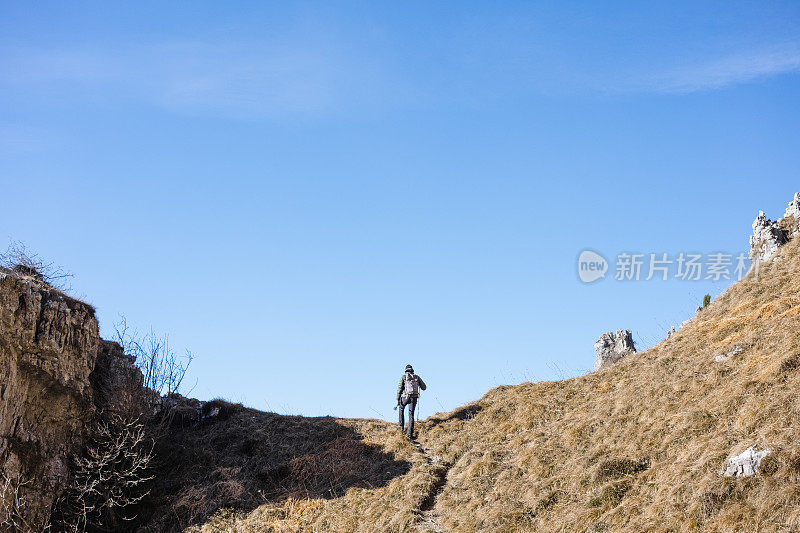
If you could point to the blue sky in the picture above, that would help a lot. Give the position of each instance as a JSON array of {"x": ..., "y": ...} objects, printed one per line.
[{"x": 311, "y": 195}]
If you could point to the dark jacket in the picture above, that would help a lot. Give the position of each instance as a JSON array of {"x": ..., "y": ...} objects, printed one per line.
[{"x": 402, "y": 386}]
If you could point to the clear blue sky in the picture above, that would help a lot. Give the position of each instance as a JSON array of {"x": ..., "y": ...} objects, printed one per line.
[{"x": 311, "y": 195}]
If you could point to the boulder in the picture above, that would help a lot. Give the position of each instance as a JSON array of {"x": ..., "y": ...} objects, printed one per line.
[
  {"x": 611, "y": 347},
  {"x": 721, "y": 358},
  {"x": 745, "y": 464}
]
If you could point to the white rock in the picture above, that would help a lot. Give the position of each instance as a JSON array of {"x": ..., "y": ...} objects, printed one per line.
[
  {"x": 767, "y": 237},
  {"x": 725, "y": 356},
  {"x": 794, "y": 210},
  {"x": 611, "y": 347},
  {"x": 745, "y": 464}
]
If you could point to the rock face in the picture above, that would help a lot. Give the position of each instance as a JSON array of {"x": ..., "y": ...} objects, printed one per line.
[
  {"x": 746, "y": 463},
  {"x": 791, "y": 216},
  {"x": 117, "y": 383},
  {"x": 56, "y": 374},
  {"x": 769, "y": 235},
  {"x": 611, "y": 347}
]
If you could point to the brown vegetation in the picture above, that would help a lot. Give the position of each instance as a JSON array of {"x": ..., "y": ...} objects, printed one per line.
[
  {"x": 635, "y": 447},
  {"x": 242, "y": 458}
]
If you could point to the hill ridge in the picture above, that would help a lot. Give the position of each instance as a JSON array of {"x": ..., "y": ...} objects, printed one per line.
[{"x": 643, "y": 444}]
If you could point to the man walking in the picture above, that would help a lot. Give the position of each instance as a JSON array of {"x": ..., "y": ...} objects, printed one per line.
[{"x": 407, "y": 394}]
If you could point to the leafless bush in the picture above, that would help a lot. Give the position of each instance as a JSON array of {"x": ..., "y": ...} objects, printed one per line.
[
  {"x": 110, "y": 478},
  {"x": 25, "y": 262},
  {"x": 13, "y": 512},
  {"x": 163, "y": 369}
]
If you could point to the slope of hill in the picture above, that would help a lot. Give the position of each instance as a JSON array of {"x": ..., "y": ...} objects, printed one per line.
[
  {"x": 635, "y": 447},
  {"x": 243, "y": 458}
]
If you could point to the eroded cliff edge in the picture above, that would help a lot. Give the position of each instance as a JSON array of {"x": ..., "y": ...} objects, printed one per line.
[{"x": 56, "y": 375}]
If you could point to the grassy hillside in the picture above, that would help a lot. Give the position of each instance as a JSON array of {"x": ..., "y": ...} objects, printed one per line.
[
  {"x": 243, "y": 458},
  {"x": 635, "y": 447}
]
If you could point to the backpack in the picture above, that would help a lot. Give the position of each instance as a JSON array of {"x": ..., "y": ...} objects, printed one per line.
[{"x": 412, "y": 386}]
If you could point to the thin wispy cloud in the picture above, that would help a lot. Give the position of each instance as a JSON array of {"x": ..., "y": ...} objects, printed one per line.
[
  {"x": 298, "y": 79},
  {"x": 730, "y": 69},
  {"x": 237, "y": 81}
]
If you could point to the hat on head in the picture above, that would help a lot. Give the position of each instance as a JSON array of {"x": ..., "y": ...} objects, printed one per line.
[{"x": 409, "y": 368}]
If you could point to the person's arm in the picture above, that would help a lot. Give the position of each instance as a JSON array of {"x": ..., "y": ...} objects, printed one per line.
[
  {"x": 421, "y": 383},
  {"x": 400, "y": 388}
]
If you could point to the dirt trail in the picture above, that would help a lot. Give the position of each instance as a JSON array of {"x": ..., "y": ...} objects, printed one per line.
[{"x": 429, "y": 518}]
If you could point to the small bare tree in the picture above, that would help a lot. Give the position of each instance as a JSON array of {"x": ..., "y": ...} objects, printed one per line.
[
  {"x": 22, "y": 261},
  {"x": 163, "y": 369}
]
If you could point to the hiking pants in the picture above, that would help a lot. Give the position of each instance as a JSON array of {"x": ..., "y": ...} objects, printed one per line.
[{"x": 412, "y": 402}]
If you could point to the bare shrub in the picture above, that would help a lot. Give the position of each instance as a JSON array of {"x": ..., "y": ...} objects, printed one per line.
[
  {"x": 14, "y": 504},
  {"x": 113, "y": 475},
  {"x": 24, "y": 262},
  {"x": 110, "y": 479}
]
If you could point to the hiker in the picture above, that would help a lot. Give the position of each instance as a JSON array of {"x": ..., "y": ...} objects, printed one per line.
[{"x": 407, "y": 394}]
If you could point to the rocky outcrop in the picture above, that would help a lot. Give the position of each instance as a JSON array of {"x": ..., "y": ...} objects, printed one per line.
[
  {"x": 746, "y": 463},
  {"x": 769, "y": 235},
  {"x": 56, "y": 374},
  {"x": 791, "y": 217},
  {"x": 189, "y": 412},
  {"x": 117, "y": 383},
  {"x": 611, "y": 347}
]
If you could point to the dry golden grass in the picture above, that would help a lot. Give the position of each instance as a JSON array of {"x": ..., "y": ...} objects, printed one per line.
[
  {"x": 635, "y": 447},
  {"x": 385, "y": 508}
]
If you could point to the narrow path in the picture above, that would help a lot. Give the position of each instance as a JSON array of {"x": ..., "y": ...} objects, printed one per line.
[{"x": 429, "y": 518}]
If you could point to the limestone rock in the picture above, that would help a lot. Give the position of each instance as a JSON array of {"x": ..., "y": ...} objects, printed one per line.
[
  {"x": 48, "y": 347},
  {"x": 791, "y": 217},
  {"x": 767, "y": 237},
  {"x": 721, "y": 358},
  {"x": 745, "y": 464},
  {"x": 611, "y": 347},
  {"x": 793, "y": 210}
]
